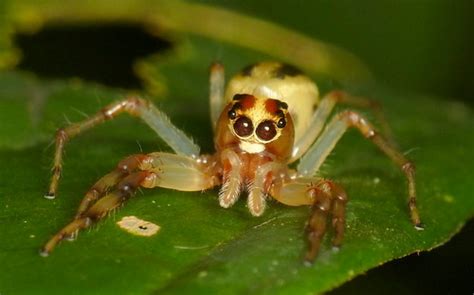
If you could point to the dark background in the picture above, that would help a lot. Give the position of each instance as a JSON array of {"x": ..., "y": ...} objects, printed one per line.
[{"x": 426, "y": 47}]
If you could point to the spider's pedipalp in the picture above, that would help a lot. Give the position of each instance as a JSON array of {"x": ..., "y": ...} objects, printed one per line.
[
  {"x": 232, "y": 179},
  {"x": 256, "y": 200}
]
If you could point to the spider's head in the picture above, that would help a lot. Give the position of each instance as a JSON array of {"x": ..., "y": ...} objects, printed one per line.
[{"x": 256, "y": 124}]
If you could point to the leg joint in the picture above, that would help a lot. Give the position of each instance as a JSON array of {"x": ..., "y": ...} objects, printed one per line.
[
  {"x": 61, "y": 135},
  {"x": 337, "y": 96},
  {"x": 342, "y": 197},
  {"x": 408, "y": 168},
  {"x": 131, "y": 163},
  {"x": 216, "y": 67},
  {"x": 57, "y": 170},
  {"x": 130, "y": 105},
  {"x": 354, "y": 119}
]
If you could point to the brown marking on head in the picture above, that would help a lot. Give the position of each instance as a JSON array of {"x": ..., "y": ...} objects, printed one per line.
[
  {"x": 245, "y": 101},
  {"x": 274, "y": 106}
]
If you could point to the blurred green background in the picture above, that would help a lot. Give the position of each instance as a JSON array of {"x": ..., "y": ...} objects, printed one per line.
[
  {"x": 422, "y": 46},
  {"x": 417, "y": 46}
]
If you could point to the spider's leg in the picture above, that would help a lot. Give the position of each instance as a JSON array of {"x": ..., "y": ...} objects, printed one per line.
[
  {"x": 110, "y": 180},
  {"x": 216, "y": 91},
  {"x": 152, "y": 116},
  {"x": 152, "y": 170},
  {"x": 180, "y": 172},
  {"x": 99, "y": 209},
  {"x": 338, "y": 212},
  {"x": 326, "y": 199},
  {"x": 321, "y": 114},
  {"x": 319, "y": 151},
  {"x": 317, "y": 222}
]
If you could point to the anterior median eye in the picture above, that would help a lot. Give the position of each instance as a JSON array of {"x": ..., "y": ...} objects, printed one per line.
[
  {"x": 266, "y": 130},
  {"x": 243, "y": 126}
]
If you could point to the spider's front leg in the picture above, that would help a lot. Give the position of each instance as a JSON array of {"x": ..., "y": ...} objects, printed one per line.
[
  {"x": 152, "y": 170},
  {"x": 109, "y": 181},
  {"x": 323, "y": 111},
  {"x": 319, "y": 151},
  {"x": 326, "y": 198},
  {"x": 143, "y": 109}
]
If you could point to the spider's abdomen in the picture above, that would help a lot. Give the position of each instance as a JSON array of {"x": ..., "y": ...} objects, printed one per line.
[{"x": 278, "y": 81}]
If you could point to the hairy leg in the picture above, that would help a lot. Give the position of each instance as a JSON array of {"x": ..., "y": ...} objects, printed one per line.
[
  {"x": 152, "y": 170},
  {"x": 152, "y": 116},
  {"x": 317, "y": 154},
  {"x": 123, "y": 190},
  {"x": 124, "y": 168},
  {"x": 322, "y": 113},
  {"x": 326, "y": 198}
]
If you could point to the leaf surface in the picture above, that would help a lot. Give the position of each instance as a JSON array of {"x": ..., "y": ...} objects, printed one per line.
[{"x": 201, "y": 247}]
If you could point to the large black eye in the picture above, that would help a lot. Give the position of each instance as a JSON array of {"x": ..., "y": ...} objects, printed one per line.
[
  {"x": 266, "y": 130},
  {"x": 243, "y": 126}
]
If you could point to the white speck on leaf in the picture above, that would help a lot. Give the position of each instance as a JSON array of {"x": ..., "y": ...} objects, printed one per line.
[{"x": 137, "y": 226}]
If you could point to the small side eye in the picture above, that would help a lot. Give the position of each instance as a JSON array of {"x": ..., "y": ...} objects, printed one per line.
[
  {"x": 232, "y": 114},
  {"x": 281, "y": 123},
  {"x": 266, "y": 130},
  {"x": 243, "y": 127}
]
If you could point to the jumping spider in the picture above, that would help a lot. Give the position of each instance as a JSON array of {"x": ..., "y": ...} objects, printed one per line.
[{"x": 269, "y": 116}]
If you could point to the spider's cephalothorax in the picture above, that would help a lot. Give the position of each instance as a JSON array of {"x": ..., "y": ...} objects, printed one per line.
[{"x": 269, "y": 116}]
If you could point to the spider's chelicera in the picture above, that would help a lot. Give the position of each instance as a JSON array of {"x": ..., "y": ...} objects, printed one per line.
[{"x": 269, "y": 116}]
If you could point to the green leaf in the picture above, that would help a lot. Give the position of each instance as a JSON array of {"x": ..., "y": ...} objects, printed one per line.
[{"x": 201, "y": 247}]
